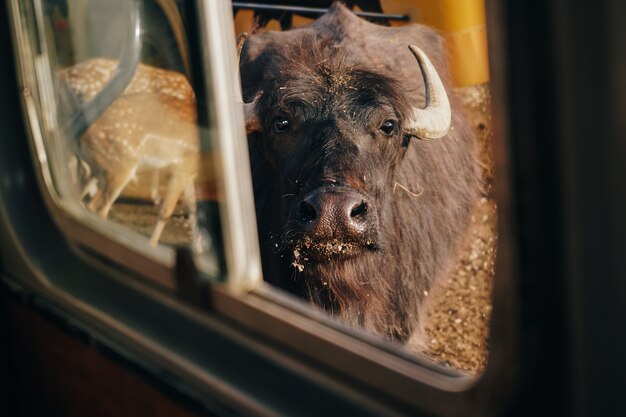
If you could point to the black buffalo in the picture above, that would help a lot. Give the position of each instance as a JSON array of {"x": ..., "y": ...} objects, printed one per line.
[{"x": 364, "y": 169}]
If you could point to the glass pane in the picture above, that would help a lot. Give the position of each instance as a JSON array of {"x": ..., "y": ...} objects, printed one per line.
[
  {"x": 120, "y": 121},
  {"x": 366, "y": 207}
]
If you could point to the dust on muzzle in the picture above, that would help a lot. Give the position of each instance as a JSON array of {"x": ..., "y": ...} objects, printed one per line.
[{"x": 332, "y": 222}]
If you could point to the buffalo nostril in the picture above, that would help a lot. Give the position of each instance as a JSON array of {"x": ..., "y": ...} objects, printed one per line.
[
  {"x": 359, "y": 210},
  {"x": 306, "y": 212}
]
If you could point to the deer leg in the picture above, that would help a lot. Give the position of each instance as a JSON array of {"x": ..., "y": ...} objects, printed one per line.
[
  {"x": 175, "y": 188},
  {"x": 112, "y": 188},
  {"x": 189, "y": 198},
  {"x": 191, "y": 204},
  {"x": 81, "y": 172},
  {"x": 154, "y": 188},
  {"x": 90, "y": 188}
]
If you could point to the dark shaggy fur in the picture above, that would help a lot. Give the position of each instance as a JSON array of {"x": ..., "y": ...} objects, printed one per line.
[{"x": 336, "y": 82}]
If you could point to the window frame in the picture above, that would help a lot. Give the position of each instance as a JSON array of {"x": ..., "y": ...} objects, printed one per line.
[
  {"x": 270, "y": 320},
  {"x": 131, "y": 251}
]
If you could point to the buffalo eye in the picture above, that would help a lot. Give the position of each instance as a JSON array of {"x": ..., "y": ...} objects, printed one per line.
[
  {"x": 280, "y": 125},
  {"x": 389, "y": 127}
]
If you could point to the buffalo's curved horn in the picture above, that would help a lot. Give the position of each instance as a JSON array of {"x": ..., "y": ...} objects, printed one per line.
[
  {"x": 252, "y": 121},
  {"x": 433, "y": 121}
]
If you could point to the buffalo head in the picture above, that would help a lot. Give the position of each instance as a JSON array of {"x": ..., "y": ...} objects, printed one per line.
[{"x": 347, "y": 207}]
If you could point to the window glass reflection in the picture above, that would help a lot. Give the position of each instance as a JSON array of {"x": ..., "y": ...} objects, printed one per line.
[{"x": 127, "y": 136}]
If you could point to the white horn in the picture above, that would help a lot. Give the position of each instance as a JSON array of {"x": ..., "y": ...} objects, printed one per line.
[
  {"x": 433, "y": 121},
  {"x": 252, "y": 121}
]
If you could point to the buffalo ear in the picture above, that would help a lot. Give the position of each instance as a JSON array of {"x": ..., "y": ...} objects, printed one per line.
[
  {"x": 252, "y": 121},
  {"x": 241, "y": 39}
]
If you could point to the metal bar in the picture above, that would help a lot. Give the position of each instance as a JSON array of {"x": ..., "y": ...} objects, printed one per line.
[{"x": 315, "y": 11}]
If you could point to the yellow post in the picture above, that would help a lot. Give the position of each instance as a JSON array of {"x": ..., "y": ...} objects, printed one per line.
[{"x": 462, "y": 23}]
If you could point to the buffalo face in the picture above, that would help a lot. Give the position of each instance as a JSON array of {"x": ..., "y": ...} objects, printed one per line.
[{"x": 332, "y": 136}]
